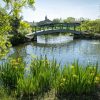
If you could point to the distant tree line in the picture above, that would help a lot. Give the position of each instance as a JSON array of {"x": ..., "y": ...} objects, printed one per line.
[{"x": 90, "y": 26}]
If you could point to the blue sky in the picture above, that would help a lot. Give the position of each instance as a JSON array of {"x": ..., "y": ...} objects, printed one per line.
[{"x": 63, "y": 9}]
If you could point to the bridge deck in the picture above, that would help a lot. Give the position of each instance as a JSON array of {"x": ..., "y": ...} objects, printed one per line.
[
  {"x": 52, "y": 32},
  {"x": 57, "y": 31}
]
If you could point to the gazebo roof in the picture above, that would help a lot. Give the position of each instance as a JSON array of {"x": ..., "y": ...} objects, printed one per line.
[{"x": 46, "y": 21}]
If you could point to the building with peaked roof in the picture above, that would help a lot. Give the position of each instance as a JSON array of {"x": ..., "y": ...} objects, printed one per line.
[{"x": 46, "y": 21}]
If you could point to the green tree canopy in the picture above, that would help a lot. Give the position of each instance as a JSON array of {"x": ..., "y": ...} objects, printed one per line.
[
  {"x": 92, "y": 26},
  {"x": 15, "y": 6},
  {"x": 56, "y": 20},
  {"x": 10, "y": 18},
  {"x": 69, "y": 19},
  {"x": 4, "y": 29}
]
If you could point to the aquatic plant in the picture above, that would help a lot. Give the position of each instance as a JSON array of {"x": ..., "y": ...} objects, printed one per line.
[
  {"x": 10, "y": 72},
  {"x": 77, "y": 80},
  {"x": 42, "y": 78},
  {"x": 44, "y": 75},
  {"x": 4, "y": 95}
]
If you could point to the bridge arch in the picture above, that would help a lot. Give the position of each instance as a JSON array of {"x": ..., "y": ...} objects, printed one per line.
[
  {"x": 53, "y": 28},
  {"x": 56, "y": 31}
]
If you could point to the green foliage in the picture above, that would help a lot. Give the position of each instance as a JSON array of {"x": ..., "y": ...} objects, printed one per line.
[
  {"x": 56, "y": 20},
  {"x": 4, "y": 29},
  {"x": 19, "y": 28},
  {"x": 69, "y": 20},
  {"x": 76, "y": 80},
  {"x": 15, "y": 24},
  {"x": 4, "y": 94},
  {"x": 11, "y": 72},
  {"x": 15, "y": 6},
  {"x": 24, "y": 28},
  {"x": 91, "y": 26},
  {"x": 17, "y": 39},
  {"x": 43, "y": 75}
]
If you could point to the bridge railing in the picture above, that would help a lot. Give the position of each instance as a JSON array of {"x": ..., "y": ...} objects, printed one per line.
[{"x": 54, "y": 26}]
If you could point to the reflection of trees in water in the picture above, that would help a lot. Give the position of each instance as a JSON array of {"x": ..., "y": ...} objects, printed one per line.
[
  {"x": 81, "y": 49},
  {"x": 19, "y": 52},
  {"x": 55, "y": 47},
  {"x": 89, "y": 48},
  {"x": 46, "y": 39},
  {"x": 52, "y": 38}
]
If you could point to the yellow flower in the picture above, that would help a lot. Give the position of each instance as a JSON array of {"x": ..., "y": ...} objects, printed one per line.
[
  {"x": 72, "y": 67},
  {"x": 74, "y": 76},
  {"x": 61, "y": 84},
  {"x": 90, "y": 68},
  {"x": 97, "y": 78},
  {"x": 63, "y": 79},
  {"x": 92, "y": 74},
  {"x": 19, "y": 59}
]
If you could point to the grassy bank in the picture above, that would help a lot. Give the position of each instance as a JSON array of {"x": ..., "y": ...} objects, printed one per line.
[{"x": 44, "y": 76}]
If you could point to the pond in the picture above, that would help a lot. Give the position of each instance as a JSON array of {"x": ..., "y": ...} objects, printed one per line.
[{"x": 61, "y": 47}]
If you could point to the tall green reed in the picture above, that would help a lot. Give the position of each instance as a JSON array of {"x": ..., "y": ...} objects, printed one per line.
[
  {"x": 10, "y": 72},
  {"x": 77, "y": 80},
  {"x": 42, "y": 77}
]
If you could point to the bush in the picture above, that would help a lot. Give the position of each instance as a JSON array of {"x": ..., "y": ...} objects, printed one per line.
[
  {"x": 24, "y": 28},
  {"x": 17, "y": 39}
]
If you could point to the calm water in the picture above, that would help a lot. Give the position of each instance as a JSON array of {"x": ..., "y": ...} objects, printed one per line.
[{"x": 63, "y": 48}]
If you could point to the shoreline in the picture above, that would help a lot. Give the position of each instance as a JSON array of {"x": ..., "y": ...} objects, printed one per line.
[
  {"x": 87, "y": 36},
  {"x": 78, "y": 36}
]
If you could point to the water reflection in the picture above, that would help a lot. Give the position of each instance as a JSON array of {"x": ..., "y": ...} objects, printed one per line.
[
  {"x": 66, "y": 52},
  {"x": 48, "y": 39}
]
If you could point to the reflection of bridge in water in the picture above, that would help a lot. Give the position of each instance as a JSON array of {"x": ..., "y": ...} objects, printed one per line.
[{"x": 54, "y": 28}]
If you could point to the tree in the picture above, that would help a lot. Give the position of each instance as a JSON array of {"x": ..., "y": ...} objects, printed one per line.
[
  {"x": 69, "y": 20},
  {"x": 4, "y": 29},
  {"x": 98, "y": 25},
  {"x": 9, "y": 22},
  {"x": 81, "y": 19},
  {"x": 15, "y": 8},
  {"x": 92, "y": 26},
  {"x": 24, "y": 28},
  {"x": 56, "y": 20}
]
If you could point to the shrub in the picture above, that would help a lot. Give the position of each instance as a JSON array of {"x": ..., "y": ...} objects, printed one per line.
[{"x": 17, "y": 39}]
